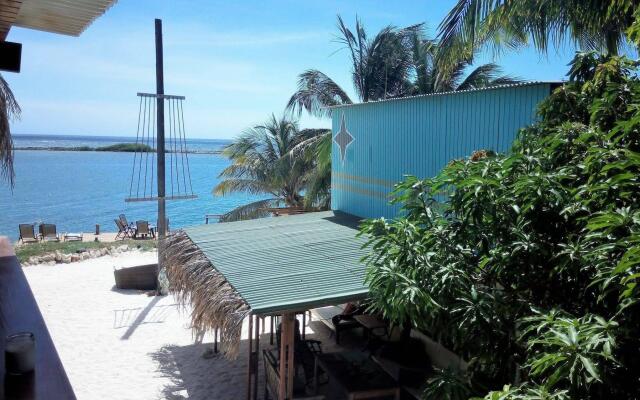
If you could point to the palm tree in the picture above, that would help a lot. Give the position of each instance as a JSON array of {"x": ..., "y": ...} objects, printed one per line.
[
  {"x": 263, "y": 161},
  {"x": 380, "y": 68},
  {"x": 395, "y": 63},
  {"x": 9, "y": 109},
  {"x": 433, "y": 75},
  {"x": 590, "y": 24},
  {"x": 317, "y": 149}
]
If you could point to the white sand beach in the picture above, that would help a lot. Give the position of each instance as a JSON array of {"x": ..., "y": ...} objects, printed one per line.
[{"x": 125, "y": 344}]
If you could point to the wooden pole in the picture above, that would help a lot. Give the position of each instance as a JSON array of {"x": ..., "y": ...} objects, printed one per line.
[
  {"x": 272, "y": 328},
  {"x": 250, "y": 361},
  {"x": 255, "y": 359},
  {"x": 287, "y": 368},
  {"x": 290, "y": 361},
  {"x": 162, "y": 227},
  {"x": 284, "y": 332}
]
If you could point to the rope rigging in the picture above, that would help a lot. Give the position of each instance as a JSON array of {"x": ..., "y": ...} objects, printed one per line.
[{"x": 143, "y": 173}]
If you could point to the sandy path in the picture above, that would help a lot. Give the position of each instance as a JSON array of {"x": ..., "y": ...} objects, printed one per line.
[{"x": 126, "y": 345}]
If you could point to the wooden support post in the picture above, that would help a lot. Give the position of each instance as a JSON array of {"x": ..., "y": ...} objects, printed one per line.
[
  {"x": 250, "y": 363},
  {"x": 215, "y": 340},
  {"x": 272, "y": 328},
  {"x": 290, "y": 350},
  {"x": 285, "y": 390},
  {"x": 304, "y": 325},
  {"x": 255, "y": 359}
]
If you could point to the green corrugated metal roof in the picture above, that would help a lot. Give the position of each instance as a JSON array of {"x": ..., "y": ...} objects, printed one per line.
[{"x": 288, "y": 263}]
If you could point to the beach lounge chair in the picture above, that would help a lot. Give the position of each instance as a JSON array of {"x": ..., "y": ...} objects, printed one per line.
[
  {"x": 27, "y": 233},
  {"x": 49, "y": 232},
  {"x": 272, "y": 380},
  {"x": 142, "y": 230},
  {"x": 124, "y": 231},
  {"x": 124, "y": 221},
  {"x": 72, "y": 237}
]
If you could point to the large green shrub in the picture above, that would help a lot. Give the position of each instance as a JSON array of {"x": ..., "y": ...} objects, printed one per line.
[{"x": 527, "y": 264}]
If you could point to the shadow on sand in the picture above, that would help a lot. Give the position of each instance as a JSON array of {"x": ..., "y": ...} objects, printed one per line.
[{"x": 194, "y": 377}]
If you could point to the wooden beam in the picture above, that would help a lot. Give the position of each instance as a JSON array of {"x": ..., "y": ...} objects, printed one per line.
[{"x": 8, "y": 14}]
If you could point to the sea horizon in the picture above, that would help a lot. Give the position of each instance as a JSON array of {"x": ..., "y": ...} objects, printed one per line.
[
  {"x": 52, "y": 142},
  {"x": 63, "y": 135},
  {"x": 78, "y": 189}
]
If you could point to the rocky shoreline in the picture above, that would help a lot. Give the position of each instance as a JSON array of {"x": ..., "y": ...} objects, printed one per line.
[{"x": 58, "y": 257}]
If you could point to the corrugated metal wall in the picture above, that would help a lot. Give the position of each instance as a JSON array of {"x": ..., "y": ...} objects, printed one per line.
[{"x": 420, "y": 135}]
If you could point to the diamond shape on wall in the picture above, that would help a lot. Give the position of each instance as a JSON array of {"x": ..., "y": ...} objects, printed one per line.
[{"x": 343, "y": 139}]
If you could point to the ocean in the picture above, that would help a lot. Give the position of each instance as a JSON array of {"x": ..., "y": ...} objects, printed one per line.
[{"x": 77, "y": 190}]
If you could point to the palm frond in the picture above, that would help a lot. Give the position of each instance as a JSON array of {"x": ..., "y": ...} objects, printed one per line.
[
  {"x": 486, "y": 75},
  {"x": 310, "y": 139},
  {"x": 9, "y": 110},
  {"x": 251, "y": 186},
  {"x": 590, "y": 24},
  {"x": 315, "y": 93},
  {"x": 257, "y": 209},
  {"x": 318, "y": 193}
]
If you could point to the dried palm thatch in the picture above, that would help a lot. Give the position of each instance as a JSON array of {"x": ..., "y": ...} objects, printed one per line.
[{"x": 196, "y": 283}]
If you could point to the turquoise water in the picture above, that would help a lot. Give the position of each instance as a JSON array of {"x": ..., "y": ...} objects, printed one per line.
[{"x": 76, "y": 190}]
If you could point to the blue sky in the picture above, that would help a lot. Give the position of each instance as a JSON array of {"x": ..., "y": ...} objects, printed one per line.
[{"x": 236, "y": 62}]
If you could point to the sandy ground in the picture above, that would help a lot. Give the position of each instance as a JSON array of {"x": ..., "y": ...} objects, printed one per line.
[{"x": 126, "y": 345}]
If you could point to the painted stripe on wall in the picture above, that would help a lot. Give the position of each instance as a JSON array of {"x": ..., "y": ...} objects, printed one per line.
[
  {"x": 366, "y": 180},
  {"x": 365, "y": 192}
]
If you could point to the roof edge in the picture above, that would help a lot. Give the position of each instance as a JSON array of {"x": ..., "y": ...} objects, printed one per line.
[
  {"x": 215, "y": 303},
  {"x": 452, "y": 92}
]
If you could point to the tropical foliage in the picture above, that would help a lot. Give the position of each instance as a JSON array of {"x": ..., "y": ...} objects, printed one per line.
[
  {"x": 527, "y": 264},
  {"x": 9, "y": 110},
  {"x": 272, "y": 159},
  {"x": 590, "y": 24},
  {"x": 432, "y": 74},
  {"x": 396, "y": 62},
  {"x": 317, "y": 150},
  {"x": 380, "y": 68}
]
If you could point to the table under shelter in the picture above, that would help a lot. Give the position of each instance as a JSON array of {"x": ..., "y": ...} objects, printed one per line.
[{"x": 277, "y": 266}]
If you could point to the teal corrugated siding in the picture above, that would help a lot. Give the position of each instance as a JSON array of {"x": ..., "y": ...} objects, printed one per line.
[
  {"x": 419, "y": 136},
  {"x": 288, "y": 263}
]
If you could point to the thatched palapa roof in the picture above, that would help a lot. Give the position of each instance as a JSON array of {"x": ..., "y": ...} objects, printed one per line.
[{"x": 227, "y": 271}]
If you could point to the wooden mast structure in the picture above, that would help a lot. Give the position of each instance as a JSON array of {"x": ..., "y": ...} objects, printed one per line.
[
  {"x": 162, "y": 225},
  {"x": 150, "y": 136}
]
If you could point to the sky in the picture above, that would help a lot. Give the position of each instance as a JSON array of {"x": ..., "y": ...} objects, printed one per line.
[{"x": 236, "y": 62}]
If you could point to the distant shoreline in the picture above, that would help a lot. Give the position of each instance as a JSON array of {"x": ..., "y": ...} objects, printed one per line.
[{"x": 116, "y": 148}]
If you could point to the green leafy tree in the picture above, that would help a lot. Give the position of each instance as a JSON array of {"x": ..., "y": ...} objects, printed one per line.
[
  {"x": 590, "y": 24},
  {"x": 263, "y": 162},
  {"x": 9, "y": 109},
  {"x": 527, "y": 264}
]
